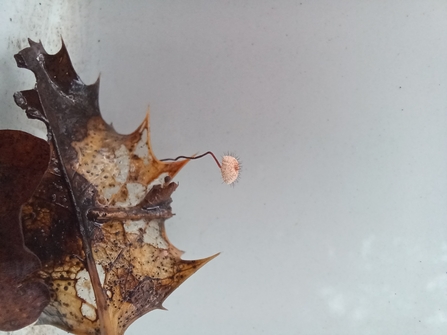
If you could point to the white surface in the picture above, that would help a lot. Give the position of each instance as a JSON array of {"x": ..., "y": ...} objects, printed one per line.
[{"x": 338, "y": 110}]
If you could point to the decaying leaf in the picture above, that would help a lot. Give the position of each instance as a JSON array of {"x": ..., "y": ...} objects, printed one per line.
[
  {"x": 23, "y": 160},
  {"x": 96, "y": 220}
]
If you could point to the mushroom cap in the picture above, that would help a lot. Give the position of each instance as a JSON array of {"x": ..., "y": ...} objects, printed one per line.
[{"x": 230, "y": 169}]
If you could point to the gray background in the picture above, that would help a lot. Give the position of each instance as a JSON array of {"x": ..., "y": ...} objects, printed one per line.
[{"x": 337, "y": 110}]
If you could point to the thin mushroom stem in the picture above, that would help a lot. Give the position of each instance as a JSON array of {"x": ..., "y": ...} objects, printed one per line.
[{"x": 195, "y": 157}]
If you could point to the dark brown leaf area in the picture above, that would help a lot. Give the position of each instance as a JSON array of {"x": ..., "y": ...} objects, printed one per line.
[
  {"x": 23, "y": 160},
  {"x": 52, "y": 232},
  {"x": 95, "y": 225}
]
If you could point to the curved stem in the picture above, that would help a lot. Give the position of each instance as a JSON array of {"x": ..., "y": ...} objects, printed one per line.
[{"x": 195, "y": 157}]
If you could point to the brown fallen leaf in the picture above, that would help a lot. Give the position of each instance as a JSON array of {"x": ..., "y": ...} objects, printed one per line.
[
  {"x": 96, "y": 220},
  {"x": 23, "y": 160}
]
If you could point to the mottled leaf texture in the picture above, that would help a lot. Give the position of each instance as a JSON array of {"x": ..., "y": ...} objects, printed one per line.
[
  {"x": 23, "y": 160},
  {"x": 96, "y": 220}
]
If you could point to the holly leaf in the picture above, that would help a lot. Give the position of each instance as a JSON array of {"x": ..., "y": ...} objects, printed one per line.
[{"x": 96, "y": 220}]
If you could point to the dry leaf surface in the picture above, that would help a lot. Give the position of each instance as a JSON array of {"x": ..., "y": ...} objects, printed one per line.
[
  {"x": 23, "y": 160},
  {"x": 95, "y": 223}
]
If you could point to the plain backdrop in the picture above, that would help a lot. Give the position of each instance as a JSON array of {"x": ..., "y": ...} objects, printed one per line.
[{"x": 338, "y": 112}]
